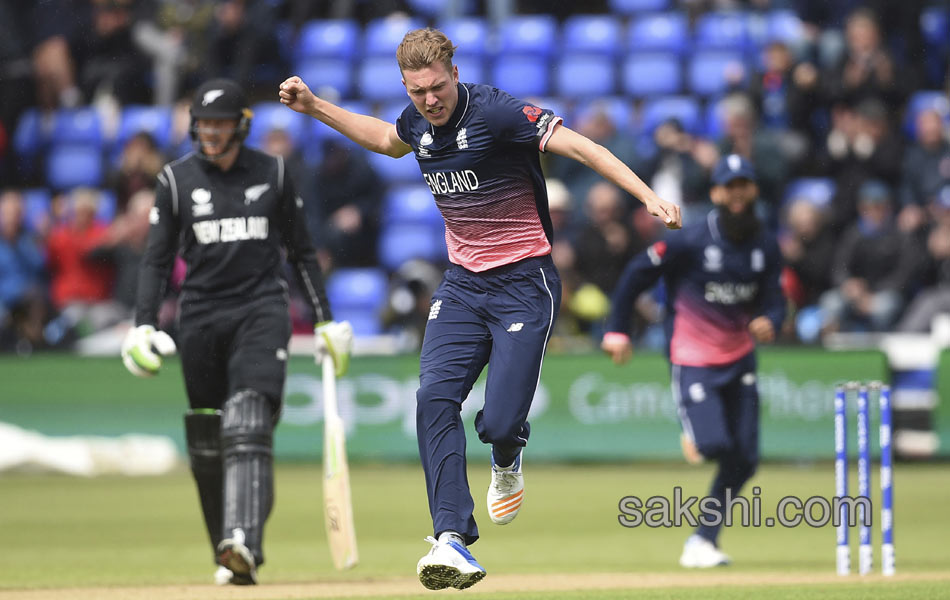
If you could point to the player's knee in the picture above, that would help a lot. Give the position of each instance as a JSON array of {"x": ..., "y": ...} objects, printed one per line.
[
  {"x": 497, "y": 430},
  {"x": 714, "y": 447},
  {"x": 247, "y": 423}
]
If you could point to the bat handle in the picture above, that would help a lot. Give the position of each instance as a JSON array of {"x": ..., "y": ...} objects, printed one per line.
[{"x": 329, "y": 386}]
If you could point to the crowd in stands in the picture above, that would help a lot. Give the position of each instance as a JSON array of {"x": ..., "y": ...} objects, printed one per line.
[{"x": 842, "y": 107}]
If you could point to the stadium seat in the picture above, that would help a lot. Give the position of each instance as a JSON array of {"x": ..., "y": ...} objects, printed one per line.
[
  {"x": 36, "y": 207},
  {"x": 399, "y": 243},
  {"x": 715, "y": 119},
  {"x": 528, "y": 34},
  {"x": 784, "y": 26},
  {"x": 556, "y": 105},
  {"x": 723, "y": 30},
  {"x": 274, "y": 115},
  {"x": 364, "y": 322},
  {"x": 662, "y": 31},
  {"x": 591, "y": 34},
  {"x": 818, "y": 190},
  {"x": 618, "y": 107},
  {"x": 711, "y": 73},
  {"x": 683, "y": 108},
  {"x": 395, "y": 170},
  {"x": 108, "y": 206},
  {"x": 30, "y": 136},
  {"x": 471, "y": 34},
  {"x": 935, "y": 26},
  {"x": 77, "y": 126},
  {"x": 923, "y": 100},
  {"x": 379, "y": 79},
  {"x": 651, "y": 74},
  {"x": 585, "y": 76},
  {"x": 357, "y": 288},
  {"x": 382, "y": 36},
  {"x": 411, "y": 204},
  {"x": 72, "y": 165},
  {"x": 154, "y": 120},
  {"x": 322, "y": 73},
  {"x": 471, "y": 68},
  {"x": 331, "y": 38},
  {"x": 629, "y": 7},
  {"x": 522, "y": 76}
]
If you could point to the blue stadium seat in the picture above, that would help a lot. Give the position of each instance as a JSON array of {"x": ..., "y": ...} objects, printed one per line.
[
  {"x": 359, "y": 288},
  {"x": 723, "y": 30},
  {"x": 715, "y": 119},
  {"x": 556, "y": 105},
  {"x": 320, "y": 73},
  {"x": 471, "y": 68},
  {"x": 36, "y": 207},
  {"x": 399, "y": 243},
  {"x": 316, "y": 132},
  {"x": 77, "y": 126},
  {"x": 471, "y": 34},
  {"x": 784, "y": 26},
  {"x": 591, "y": 34},
  {"x": 382, "y": 36},
  {"x": 585, "y": 76},
  {"x": 154, "y": 120},
  {"x": 365, "y": 322},
  {"x": 925, "y": 100},
  {"x": 330, "y": 38},
  {"x": 683, "y": 108},
  {"x": 108, "y": 206},
  {"x": 30, "y": 136},
  {"x": 935, "y": 26},
  {"x": 629, "y": 7},
  {"x": 651, "y": 74},
  {"x": 379, "y": 79},
  {"x": 391, "y": 110},
  {"x": 411, "y": 204},
  {"x": 818, "y": 190},
  {"x": 618, "y": 107},
  {"x": 274, "y": 115},
  {"x": 71, "y": 165},
  {"x": 430, "y": 8},
  {"x": 395, "y": 170},
  {"x": 661, "y": 31},
  {"x": 521, "y": 76},
  {"x": 528, "y": 34},
  {"x": 710, "y": 73}
]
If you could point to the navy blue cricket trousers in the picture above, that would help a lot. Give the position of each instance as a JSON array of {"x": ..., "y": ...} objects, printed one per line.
[
  {"x": 719, "y": 410},
  {"x": 503, "y": 318}
]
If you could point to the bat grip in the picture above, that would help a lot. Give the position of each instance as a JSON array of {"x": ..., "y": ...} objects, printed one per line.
[{"x": 329, "y": 388}]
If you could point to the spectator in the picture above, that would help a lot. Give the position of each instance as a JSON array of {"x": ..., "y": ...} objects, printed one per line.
[
  {"x": 926, "y": 169},
  {"x": 867, "y": 70},
  {"x": 873, "y": 267},
  {"x": 349, "y": 193},
  {"x": 935, "y": 297},
  {"x": 81, "y": 287},
  {"x": 139, "y": 165},
  {"x": 177, "y": 39},
  {"x": 807, "y": 246},
  {"x": 679, "y": 169},
  {"x": 242, "y": 45},
  {"x": 23, "y": 306}
]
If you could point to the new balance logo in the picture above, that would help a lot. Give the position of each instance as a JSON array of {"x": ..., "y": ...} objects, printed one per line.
[
  {"x": 434, "y": 309},
  {"x": 515, "y": 327}
]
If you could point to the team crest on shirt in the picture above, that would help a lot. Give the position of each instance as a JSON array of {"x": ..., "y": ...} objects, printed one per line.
[
  {"x": 461, "y": 139},
  {"x": 202, "y": 206},
  {"x": 254, "y": 193},
  {"x": 712, "y": 259}
]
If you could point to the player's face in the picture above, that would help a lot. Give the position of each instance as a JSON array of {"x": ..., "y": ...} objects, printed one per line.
[
  {"x": 214, "y": 135},
  {"x": 433, "y": 91},
  {"x": 736, "y": 196}
]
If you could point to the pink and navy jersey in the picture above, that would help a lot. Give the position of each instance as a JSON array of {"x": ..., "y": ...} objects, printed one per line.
[
  {"x": 714, "y": 289},
  {"x": 483, "y": 169}
]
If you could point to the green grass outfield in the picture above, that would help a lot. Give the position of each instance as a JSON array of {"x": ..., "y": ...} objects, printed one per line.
[{"x": 116, "y": 537}]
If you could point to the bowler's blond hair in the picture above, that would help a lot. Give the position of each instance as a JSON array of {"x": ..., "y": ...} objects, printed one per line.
[{"x": 423, "y": 47}]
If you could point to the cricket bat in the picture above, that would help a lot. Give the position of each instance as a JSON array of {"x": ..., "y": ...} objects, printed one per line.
[{"x": 337, "y": 504}]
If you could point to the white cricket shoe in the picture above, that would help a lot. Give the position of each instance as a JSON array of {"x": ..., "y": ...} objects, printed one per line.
[
  {"x": 700, "y": 553},
  {"x": 506, "y": 492},
  {"x": 222, "y": 576},
  {"x": 448, "y": 564},
  {"x": 235, "y": 557}
]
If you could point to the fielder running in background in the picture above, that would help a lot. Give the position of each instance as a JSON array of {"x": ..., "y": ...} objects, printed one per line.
[
  {"x": 478, "y": 150},
  {"x": 230, "y": 210},
  {"x": 723, "y": 296}
]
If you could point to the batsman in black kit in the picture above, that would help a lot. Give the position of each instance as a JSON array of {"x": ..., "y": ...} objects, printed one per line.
[{"x": 230, "y": 210}]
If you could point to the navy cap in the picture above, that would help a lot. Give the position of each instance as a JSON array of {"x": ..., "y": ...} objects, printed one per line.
[{"x": 732, "y": 167}]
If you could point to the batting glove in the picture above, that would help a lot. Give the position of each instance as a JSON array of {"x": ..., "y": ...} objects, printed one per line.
[
  {"x": 336, "y": 340},
  {"x": 137, "y": 350}
]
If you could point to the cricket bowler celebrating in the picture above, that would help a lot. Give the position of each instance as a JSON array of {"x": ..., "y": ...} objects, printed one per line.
[
  {"x": 478, "y": 150},
  {"x": 231, "y": 210},
  {"x": 723, "y": 296}
]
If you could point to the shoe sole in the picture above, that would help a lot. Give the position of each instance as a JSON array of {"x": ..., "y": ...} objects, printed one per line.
[
  {"x": 242, "y": 571},
  {"x": 440, "y": 577}
]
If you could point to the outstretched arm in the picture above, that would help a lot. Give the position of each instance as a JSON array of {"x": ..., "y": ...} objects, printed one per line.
[
  {"x": 571, "y": 144},
  {"x": 369, "y": 132}
]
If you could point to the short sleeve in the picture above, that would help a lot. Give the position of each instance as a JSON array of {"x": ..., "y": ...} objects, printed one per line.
[
  {"x": 519, "y": 122},
  {"x": 403, "y": 126}
]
